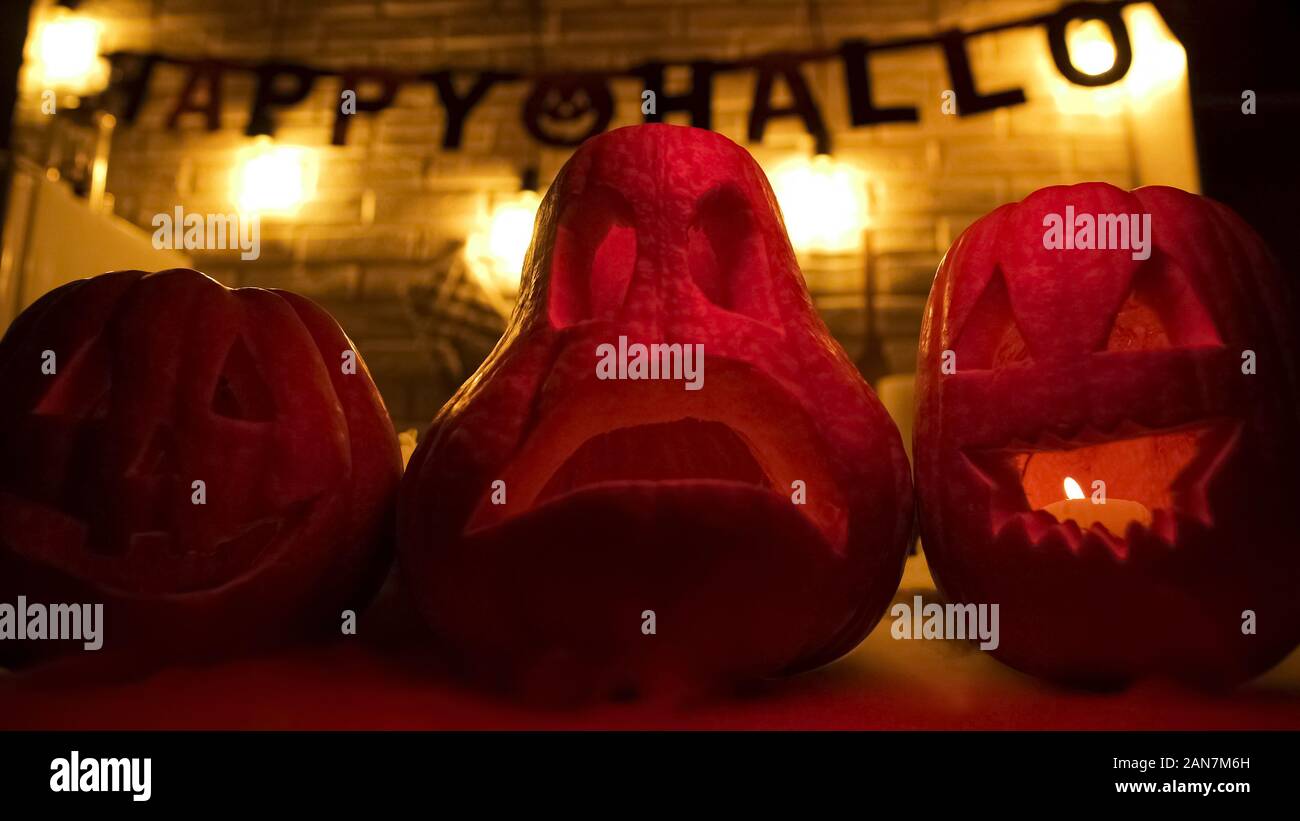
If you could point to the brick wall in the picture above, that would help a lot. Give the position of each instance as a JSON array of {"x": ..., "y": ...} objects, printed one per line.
[{"x": 928, "y": 180}]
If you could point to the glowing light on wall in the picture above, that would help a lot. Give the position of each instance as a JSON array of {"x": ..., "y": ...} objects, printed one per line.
[
  {"x": 1159, "y": 60},
  {"x": 1152, "y": 98},
  {"x": 66, "y": 53},
  {"x": 1159, "y": 64},
  {"x": 274, "y": 179},
  {"x": 823, "y": 202},
  {"x": 1091, "y": 49},
  {"x": 499, "y": 247}
]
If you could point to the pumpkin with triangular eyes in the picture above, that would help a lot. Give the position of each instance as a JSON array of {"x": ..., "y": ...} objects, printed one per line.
[
  {"x": 215, "y": 466},
  {"x": 1135, "y": 351},
  {"x": 578, "y": 528}
]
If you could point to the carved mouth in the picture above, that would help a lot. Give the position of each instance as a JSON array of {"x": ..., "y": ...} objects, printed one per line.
[
  {"x": 737, "y": 434},
  {"x": 155, "y": 562},
  {"x": 681, "y": 450},
  {"x": 1150, "y": 480}
]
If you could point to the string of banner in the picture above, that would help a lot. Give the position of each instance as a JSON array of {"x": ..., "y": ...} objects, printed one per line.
[{"x": 565, "y": 108}]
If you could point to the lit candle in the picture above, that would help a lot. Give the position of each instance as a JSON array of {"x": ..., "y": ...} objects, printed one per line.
[{"x": 1112, "y": 514}]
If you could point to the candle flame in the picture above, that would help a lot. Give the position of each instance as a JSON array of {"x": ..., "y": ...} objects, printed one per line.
[{"x": 1072, "y": 489}]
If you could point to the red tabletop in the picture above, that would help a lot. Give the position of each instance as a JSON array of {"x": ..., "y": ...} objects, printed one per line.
[{"x": 388, "y": 682}]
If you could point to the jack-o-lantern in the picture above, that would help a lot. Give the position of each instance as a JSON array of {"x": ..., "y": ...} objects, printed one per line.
[
  {"x": 577, "y": 534},
  {"x": 1106, "y": 437},
  {"x": 214, "y": 466},
  {"x": 565, "y": 110}
]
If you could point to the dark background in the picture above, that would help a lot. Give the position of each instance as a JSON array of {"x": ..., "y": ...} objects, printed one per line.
[{"x": 1250, "y": 163}]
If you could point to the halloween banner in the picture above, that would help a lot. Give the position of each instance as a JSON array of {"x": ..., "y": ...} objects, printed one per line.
[{"x": 564, "y": 108}]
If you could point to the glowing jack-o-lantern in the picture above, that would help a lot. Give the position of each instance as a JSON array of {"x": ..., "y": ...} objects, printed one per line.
[
  {"x": 214, "y": 466},
  {"x": 1155, "y": 383},
  {"x": 571, "y": 533}
]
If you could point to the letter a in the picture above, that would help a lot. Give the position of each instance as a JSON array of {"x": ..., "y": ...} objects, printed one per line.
[
  {"x": 1054, "y": 236},
  {"x": 61, "y": 780},
  {"x": 948, "y": 363},
  {"x": 1099, "y": 492}
]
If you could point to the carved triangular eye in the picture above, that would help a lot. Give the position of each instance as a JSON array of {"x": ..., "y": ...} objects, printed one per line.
[
  {"x": 727, "y": 257},
  {"x": 240, "y": 391},
  {"x": 593, "y": 259},
  {"x": 991, "y": 338},
  {"x": 1162, "y": 311},
  {"x": 81, "y": 388}
]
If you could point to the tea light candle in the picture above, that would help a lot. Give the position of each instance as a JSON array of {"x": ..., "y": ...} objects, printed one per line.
[{"x": 1112, "y": 514}]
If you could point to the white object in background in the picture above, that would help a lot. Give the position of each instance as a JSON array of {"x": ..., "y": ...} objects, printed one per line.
[{"x": 52, "y": 237}]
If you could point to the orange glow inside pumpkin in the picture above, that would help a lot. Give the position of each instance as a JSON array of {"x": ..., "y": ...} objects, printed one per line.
[{"x": 1141, "y": 469}]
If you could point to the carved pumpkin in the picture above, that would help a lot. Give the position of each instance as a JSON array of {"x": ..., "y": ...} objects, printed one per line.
[
  {"x": 581, "y": 537},
  {"x": 163, "y": 380},
  {"x": 1170, "y": 379},
  {"x": 565, "y": 110}
]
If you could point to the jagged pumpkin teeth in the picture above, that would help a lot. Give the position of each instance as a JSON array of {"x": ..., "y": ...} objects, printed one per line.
[{"x": 1106, "y": 439}]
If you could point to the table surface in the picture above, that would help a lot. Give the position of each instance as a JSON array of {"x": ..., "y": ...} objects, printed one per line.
[{"x": 884, "y": 684}]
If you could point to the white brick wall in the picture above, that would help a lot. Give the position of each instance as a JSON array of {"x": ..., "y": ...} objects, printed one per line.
[{"x": 929, "y": 180}]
